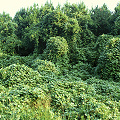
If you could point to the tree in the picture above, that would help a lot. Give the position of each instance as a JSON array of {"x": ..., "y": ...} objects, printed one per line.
[
  {"x": 109, "y": 60},
  {"x": 77, "y": 11},
  {"x": 56, "y": 49},
  {"x": 117, "y": 26},
  {"x": 8, "y": 39},
  {"x": 4, "y": 17},
  {"x": 115, "y": 21},
  {"x": 27, "y": 20},
  {"x": 100, "y": 17}
]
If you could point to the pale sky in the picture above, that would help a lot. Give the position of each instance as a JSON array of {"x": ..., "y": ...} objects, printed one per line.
[{"x": 12, "y": 6}]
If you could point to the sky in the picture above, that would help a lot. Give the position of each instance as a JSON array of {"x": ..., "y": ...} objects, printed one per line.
[{"x": 12, "y": 6}]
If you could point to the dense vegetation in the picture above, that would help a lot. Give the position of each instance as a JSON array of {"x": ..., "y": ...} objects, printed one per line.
[{"x": 60, "y": 63}]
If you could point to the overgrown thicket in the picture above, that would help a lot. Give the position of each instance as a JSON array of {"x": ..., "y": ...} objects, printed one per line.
[{"x": 60, "y": 63}]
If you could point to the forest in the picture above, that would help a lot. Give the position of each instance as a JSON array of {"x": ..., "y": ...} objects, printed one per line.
[{"x": 60, "y": 63}]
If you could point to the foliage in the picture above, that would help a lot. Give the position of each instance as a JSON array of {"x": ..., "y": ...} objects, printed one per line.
[
  {"x": 82, "y": 70},
  {"x": 87, "y": 37},
  {"x": 15, "y": 74},
  {"x": 114, "y": 20},
  {"x": 105, "y": 88},
  {"x": 56, "y": 49},
  {"x": 24, "y": 102},
  {"x": 86, "y": 51},
  {"x": 4, "y": 18},
  {"x": 53, "y": 25},
  {"x": 109, "y": 61},
  {"x": 7, "y": 28},
  {"x": 117, "y": 26},
  {"x": 6, "y": 60},
  {"x": 9, "y": 44},
  {"x": 77, "y": 11},
  {"x": 100, "y": 17},
  {"x": 72, "y": 35},
  {"x": 56, "y": 63},
  {"x": 26, "y": 20},
  {"x": 8, "y": 40},
  {"x": 57, "y": 52},
  {"x": 76, "y": 99},
  {"x": 44, "y": 67},
  {"x": 100, "y": 45}
]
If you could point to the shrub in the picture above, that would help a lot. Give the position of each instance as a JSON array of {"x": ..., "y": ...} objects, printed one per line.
[
  {"x": 101, "y": 43},
  {"x": 76, "y": 99},
  {"x": 44, "y": 67},
  {"x": 82, "y": 70},
  {"x": 109, "y": 61},
  {"x": 56, "y": 49},
  {"x": 6, "y": 60},
  {"x": 87, "y": 38},
  {"x": 117, "y": 26},
  {"x": 8, "y": 40},
  {"x": 105, "y": 88},
  {"x": 10, "y": 44},
  {"x": 52, "y": 25},
  {"x": 100, "y": 17},
  {"x": 19, "y": 74},
  {"x": 25, "y": 102}
]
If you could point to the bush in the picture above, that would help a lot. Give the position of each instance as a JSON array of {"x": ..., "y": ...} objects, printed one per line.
[
  {"x": 100, "y": 24},
  {"x": 77, "y": 11},
  {"x": 25, "y": 102},
  {"x": 87, "y": 38},
  {"x": 117, "y": 26},
  {"x": 105, "y": 88},
  {"x": 101, "y": 43},
  {"x": 19, "y": 74},
  {"x": 56, "y": 49},
  {"x": 8, "y": 40},
  {"x": 82, "y": 70},
  {"x": 10, "y": 44},
  {"x": 78, "y": 100},
  {"x": 109, "y": 61},
  {"x": 44, "y": 67},
  {"x": 72, "y": 77},
  {"x": 6, "y": 60},
  {"x": 52, "y": 25}
]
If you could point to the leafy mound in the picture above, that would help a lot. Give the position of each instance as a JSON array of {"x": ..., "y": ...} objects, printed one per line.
[
  {"x": 19, "y": 74},
  {"x": 25, "y": 102},
  {"x": 105, "y": 88},
  {"x": 57, "y": 49},
  {"x": 44, "y": 67},
  {"x": 78, "y": 100},
  {"x": 109, "y": 61},
  {"x": 6, "y": 60}
]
